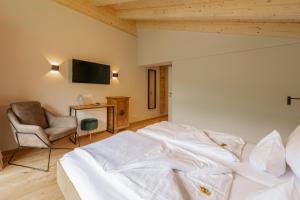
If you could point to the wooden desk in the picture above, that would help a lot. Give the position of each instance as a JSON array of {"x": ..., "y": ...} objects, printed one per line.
[{"x": 110, "y": 113}]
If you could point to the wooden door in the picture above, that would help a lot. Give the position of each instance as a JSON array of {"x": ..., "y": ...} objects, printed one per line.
[
  {"x": 1, "y": 161},
  {"x": 170, "y": 94},
  {"x": 163, "y": 89},
  {"x": 151, "y": 88}
]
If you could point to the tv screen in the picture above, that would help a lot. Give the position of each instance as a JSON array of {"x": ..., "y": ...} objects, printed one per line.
[{"x": 88, "y": 72}]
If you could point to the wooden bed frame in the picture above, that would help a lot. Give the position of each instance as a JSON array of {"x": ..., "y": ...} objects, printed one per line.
[{"x": 65, "y": 184}]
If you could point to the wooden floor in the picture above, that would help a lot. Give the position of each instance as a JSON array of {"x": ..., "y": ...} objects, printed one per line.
[{"x": 21, "y": 183}]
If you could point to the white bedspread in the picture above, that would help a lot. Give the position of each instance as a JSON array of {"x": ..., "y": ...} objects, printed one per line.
[
  {"x": 164, "y": 161},
  {"x": 145, "y": 168}
]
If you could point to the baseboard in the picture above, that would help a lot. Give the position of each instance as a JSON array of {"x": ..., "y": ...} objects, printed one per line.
[{"x": 145, "y": 120}]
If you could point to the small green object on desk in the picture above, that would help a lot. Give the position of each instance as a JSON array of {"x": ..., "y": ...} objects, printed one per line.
[{"x": 89, "y": 124}]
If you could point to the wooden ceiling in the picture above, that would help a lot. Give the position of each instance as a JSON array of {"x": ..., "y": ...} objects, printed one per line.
[{"x": 280, "y": 18}]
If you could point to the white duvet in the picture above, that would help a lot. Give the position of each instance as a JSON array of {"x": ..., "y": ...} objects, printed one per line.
[
  {"x": 168, "y": 161},
  {"x": 147, "y": 168}
]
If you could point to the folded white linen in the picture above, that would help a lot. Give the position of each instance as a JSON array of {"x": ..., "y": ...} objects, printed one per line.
[
  {"x": 227, "y": 141},
  {"x": 164, "y": 184},
  {"x": 152, "y": 170},
  {"x": 175, "y": 174},
  {"x": 175, "y": 159},
  {"x": 189, "y": 138}
]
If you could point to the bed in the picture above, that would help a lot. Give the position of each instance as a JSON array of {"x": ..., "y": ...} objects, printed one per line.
[{"x": 80, "y": 177}]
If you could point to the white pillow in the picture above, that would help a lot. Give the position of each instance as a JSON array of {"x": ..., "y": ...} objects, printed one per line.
[
  {"x": 269, "y": 155},
  {"x": 227, "y": 141},
  {"x": 293, "y": 151},
  {"x": 289, "y": 190}
]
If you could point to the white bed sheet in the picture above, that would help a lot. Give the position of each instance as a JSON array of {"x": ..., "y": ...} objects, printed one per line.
[
  {"x": 84, "y": 177},
  {"x": 241, "y": 186},
  {"x": 245, "y": 169},
  {"x": 91, "y": 183}
]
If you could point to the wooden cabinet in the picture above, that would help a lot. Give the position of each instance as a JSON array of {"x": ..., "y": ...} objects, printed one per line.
[{"x": 119, "y": 117}]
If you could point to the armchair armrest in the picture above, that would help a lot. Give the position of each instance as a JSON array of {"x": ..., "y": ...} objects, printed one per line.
[
  {"x": 24, "y": 132},
  {"x": 61, "y": 121}
]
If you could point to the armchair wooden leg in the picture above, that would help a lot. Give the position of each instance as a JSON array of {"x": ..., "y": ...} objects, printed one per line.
[{"x": 26, "y": 166}]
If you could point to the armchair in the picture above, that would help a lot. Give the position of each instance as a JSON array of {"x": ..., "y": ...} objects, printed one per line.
[{"x": 35, "y": 127}]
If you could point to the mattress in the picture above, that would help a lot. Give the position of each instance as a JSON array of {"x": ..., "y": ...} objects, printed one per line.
[{"x": 86, "y": 179}]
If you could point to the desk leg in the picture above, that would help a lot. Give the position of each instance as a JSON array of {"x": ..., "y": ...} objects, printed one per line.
[{"x": 75, "y": 137}]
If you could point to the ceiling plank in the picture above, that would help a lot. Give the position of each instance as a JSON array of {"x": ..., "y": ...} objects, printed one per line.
[
  {"x": 110, "y": 2},
  {"x": 234, "y": 10},
  {"x": 291, "y": 30},
  {"x": 103, "y": 14},
  {"x": 160, "y": 3}
]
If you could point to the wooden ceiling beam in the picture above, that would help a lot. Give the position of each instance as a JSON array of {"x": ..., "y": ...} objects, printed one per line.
[
  {"x": 290, "y": 30},
  {"x": 103, "y": 14},
  {"x": 160, "y": 3},
  {"x": 110, "y": 2},
  {"x": 234, "y": 10}
]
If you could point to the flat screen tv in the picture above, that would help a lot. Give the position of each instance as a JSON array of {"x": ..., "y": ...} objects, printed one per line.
[{"x": 89, "y": 72}]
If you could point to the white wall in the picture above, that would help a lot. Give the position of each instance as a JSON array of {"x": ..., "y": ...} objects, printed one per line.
[
  {"x": 36, "y": 33},
  {"x": 231, "y": 83}
]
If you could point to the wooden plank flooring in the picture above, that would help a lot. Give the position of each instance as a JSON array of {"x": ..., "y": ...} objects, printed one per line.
[{"x": 21, "y": 183}]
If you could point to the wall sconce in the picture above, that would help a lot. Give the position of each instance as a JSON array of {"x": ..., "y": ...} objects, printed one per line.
[
  {"x": 289, "y": 99},
  {"x": 115, "y": 75},
  {"x": 55, "y": 68}
]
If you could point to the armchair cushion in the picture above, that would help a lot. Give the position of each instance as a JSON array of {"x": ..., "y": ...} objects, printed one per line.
[
  {"x": 30, "y": 113},
  {"x": 60, "y": 121},
  {"x": 60, "y": 132},
  {"x": 60, "y": 126}
]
